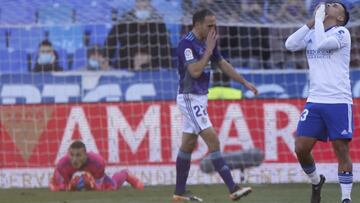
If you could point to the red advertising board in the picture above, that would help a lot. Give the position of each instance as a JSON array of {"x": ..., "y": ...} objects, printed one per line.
[{"x": 138, "y": 133}]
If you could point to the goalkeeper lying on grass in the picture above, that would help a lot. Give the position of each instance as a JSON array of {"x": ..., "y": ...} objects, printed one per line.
[{"x": 81, "y": 170}]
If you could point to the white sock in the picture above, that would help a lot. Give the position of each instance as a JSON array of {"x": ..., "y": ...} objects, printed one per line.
[
  {"x": 346, "y": 191},
  {"x": 346, "y": 182},
  {"x": 314, "y": 178}
]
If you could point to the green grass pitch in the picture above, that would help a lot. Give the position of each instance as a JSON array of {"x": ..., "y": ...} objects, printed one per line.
[{"x": 265, "y": 193}]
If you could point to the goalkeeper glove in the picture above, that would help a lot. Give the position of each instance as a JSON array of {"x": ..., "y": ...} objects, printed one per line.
[
  {"x": 89, "y": 181},
  {"x": 84, "y": 181},
  {"x": 73, "y": 185}
]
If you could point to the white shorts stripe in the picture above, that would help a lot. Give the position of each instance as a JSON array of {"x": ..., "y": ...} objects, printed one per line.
[
  {"x": 190, "y": 111},
  {"x": 350, "y": 118}
]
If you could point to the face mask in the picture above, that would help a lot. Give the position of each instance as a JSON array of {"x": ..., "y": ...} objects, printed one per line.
[
  {"x": 45, "y": 59},
  {"x": 94, "y": 63},
  {"x": 142, "y": 14}
]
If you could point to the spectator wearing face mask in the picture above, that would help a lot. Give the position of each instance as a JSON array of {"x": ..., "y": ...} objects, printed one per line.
[
  {"x": 97, "y": 60},
  {"x": 47, "y": 59},
  {"x": 139, "y": 40}
]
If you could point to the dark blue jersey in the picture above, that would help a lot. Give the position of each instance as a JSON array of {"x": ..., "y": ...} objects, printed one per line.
[{"x": 191, "y": 50}]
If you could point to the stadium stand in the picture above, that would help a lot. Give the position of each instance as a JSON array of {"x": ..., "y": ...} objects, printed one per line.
[{"x": 247, "y": 25}]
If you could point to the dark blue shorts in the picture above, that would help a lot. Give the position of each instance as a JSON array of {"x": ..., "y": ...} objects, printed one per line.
[{"x": 326, "y": 121}]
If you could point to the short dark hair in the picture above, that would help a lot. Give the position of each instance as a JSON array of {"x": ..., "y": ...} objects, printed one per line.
[
  {"x": 346, "y": 13},
  {"x": 45, "y": 43},
  {"x": 199, "y": 16},
  {"x": 77, "y": 145},
  {"x": 95, "y": 49}
]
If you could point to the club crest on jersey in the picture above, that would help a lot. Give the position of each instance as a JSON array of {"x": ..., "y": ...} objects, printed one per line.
[{"x": 188, "y": 54}]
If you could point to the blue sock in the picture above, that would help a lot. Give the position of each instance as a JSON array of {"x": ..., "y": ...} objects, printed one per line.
[
  {"x": 308, "y": 169},
  {"x": 182, "y": 171},
  {"x": 222, "y": 169}
]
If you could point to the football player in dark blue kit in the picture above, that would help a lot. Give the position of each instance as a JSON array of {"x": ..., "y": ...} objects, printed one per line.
[{"x": 196, "y": 51}]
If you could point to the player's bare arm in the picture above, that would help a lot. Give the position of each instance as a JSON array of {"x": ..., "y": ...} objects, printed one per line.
[
  {"x": 195, "y": 69},
  {"x": 230, "y": 71}
]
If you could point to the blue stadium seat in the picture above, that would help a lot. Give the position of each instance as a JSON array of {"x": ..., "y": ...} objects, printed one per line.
[
  {"x": 172, "y": 18},
  {"x": 94, "y": 12},
  {"x": 55, "y": 14},
  {"x": 19, "y": 61},
  {"x": 13, "y": 62},
  {"x": 69, "y": 38},
  {"x": 25, "y": 39},
  {"x": 2, "y": 38},
  {"x": 80, "y": 59},
  {"x": 4, "y": 61},
  {"x": 63, "y": 62},
  {"x": 17, "y": 12},
  {"x": 98, "y": 33}
]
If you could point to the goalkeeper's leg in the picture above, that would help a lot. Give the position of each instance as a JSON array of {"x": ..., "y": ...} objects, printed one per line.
[{"x": 124, "y": 175}]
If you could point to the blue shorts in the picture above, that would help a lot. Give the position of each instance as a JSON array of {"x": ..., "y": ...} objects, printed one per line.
[{"x": 326, "y": 121}]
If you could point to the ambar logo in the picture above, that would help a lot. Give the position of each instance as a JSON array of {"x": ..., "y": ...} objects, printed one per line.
[{"x": 25, "y": 125}]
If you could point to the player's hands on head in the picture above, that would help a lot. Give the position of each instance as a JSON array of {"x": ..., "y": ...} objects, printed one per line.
[{"x": 211, "y": 41}]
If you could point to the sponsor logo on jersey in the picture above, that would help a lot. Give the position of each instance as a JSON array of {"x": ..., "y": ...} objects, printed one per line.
[
  {"x": 340, "y": 35},
  {"x": 188, "y": 54},
  {"x": 316, "y": 54}
]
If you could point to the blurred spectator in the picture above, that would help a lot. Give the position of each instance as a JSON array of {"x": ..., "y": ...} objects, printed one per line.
[
  {"x": 355, "y": 47},
  {"x": 311, "y": 4},
  {"x": 290, "y": 9},
  {"x": 96, "y": 59},
  {"x": 47, "y": 58},
  {"x": 172, "y": 19},
  {"x": 231, "y": 11},
  {"x": 139, "y": 40},
  {"x": 252, "y": 10}
]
